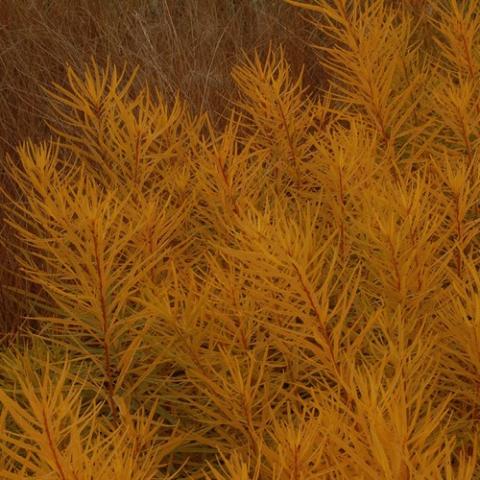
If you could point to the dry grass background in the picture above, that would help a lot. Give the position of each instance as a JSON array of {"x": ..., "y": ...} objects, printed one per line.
[{"x": 185, "y": 45}]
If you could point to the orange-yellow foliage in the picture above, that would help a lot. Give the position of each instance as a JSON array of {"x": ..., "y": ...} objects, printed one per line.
[{"x": 294, "y": 297}]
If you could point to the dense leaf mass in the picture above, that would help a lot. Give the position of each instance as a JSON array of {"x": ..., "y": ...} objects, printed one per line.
[{"x": 292, "y": 296}]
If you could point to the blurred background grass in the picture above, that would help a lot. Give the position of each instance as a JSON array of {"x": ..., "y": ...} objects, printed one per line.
[
  {"x": 188, "y": 45},
  {"x": 184, "y": 45}
]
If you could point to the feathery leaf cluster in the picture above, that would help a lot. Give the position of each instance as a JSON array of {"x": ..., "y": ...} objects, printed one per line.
[{"x": 293, "y": 297}]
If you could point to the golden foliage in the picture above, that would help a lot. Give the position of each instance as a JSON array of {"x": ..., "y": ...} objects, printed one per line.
[{"x": 293, "y": 297}]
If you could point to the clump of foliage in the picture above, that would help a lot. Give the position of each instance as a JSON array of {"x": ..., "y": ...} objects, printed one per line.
[{"x": 295, "y": 296}]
